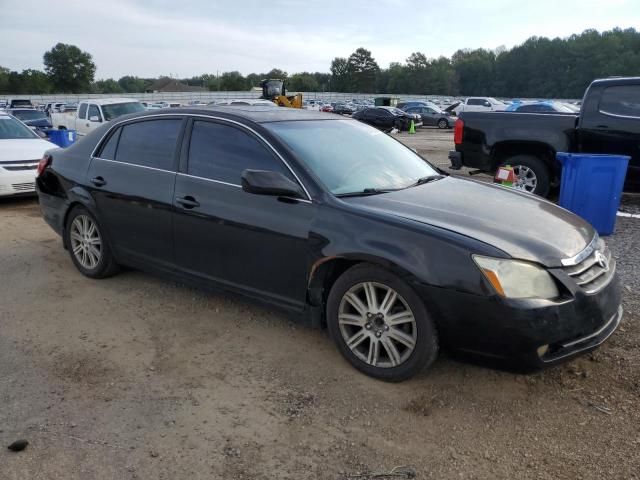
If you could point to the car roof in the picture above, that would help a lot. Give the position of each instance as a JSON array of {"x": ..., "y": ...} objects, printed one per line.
[
  {"x": 257, "y": 114},
  {"x": 108, "y": 101}
]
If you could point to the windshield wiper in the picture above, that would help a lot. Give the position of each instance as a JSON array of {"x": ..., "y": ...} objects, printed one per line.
[
  {"x": 423, "y": 180},
  {"x": 366, "y": 191}
]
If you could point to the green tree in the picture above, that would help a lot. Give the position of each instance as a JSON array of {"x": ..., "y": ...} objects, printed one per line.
[
  {"x": 340, "y": 75},
  {"x": 131, "y": 84},
  {"x": 70, "y": 69},
  {"x": 35, "y": 81},
  {"x": 107, "y": 86},
  {"x": 302, "y": 82},
  {"x": 233, "y": 82},
  {"x": 363, "y": 70},
  {"x": 4, "y": 80}
]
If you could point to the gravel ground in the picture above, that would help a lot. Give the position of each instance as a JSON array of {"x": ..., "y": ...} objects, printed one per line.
[{"x": 135, "y": 377}]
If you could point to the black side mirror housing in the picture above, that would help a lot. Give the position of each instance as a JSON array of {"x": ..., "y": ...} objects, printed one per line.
[{"x": 264, "y": 182}]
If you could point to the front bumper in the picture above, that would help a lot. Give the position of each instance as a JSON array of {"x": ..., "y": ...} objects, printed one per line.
[
  {"x": 529, "y": 334},
  {"x": 19, "y": 182}
]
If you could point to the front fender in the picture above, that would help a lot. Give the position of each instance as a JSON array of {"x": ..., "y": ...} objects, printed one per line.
[{"x": 423, "y": 253}]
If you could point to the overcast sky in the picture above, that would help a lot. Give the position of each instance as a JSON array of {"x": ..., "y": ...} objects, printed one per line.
[{"x": 189, "y": 37}]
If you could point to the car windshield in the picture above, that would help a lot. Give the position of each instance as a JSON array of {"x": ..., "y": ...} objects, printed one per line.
[
  {"x": 495, "y": 102},
  {"x": 118, "y": 109},
  {"x": 29, "y": 115},
  {"x": 12, "y": 129},
  {"x": 350, "y": 157}
]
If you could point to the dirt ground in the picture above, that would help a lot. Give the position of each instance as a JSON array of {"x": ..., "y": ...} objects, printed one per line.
[{"x": 135, "y": 377}]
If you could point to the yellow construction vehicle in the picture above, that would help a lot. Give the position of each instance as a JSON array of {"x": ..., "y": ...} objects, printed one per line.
[{"x": 273, "y": 89}]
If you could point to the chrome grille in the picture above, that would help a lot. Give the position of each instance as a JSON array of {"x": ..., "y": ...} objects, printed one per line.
[
  {"x": 24, "y": 187},
  {"x": 594, "y": 272},
  {"x": 19, "y": 168}
]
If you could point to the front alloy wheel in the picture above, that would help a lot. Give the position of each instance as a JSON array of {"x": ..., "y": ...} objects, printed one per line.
[
  {"x": 377, "y": 324},
  {"x": 380, "y": 324}
]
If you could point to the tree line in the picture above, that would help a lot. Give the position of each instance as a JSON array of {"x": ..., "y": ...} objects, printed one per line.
[{"x": 540, "y": 67}]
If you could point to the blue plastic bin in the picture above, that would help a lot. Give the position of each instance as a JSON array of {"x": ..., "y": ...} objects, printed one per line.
[
  {"x": 591, "y": 187},
  {"x": 62, "y": 138}
]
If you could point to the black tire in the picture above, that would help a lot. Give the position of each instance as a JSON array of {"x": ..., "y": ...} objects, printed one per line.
[
  {"x": 442, "y": 124},
  {"x": 399, "y": 125},
  {"x": 426, "y": 338},
  {"x": 538, "y": 166},
  {"x": 106, "y": 266}
]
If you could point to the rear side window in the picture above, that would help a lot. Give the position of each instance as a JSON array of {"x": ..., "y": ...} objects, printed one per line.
[
  {"x": 475, "y": 101},
  {"x": 621, "y": 100},
  {"x": 150, "y": 143},
  {"x": 222, "y": 152},
  {"x": 83, "y": 111},
  {"x": 109, "y": 149}
]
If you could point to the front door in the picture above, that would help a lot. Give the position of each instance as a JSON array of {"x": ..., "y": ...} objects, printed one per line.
[
  {"x": 254, "y": 243},
  {"x": 131, "y": 181}
]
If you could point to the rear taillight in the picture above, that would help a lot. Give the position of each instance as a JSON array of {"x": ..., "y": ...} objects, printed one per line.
[
  {"x": 43, "y": 164},
  {"x": 457, "y": 133}
]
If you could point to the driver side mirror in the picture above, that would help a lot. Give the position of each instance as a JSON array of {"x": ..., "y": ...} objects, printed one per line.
[
  {"x": 264, "y": 182},
  {"x": 94, "y": 118}
]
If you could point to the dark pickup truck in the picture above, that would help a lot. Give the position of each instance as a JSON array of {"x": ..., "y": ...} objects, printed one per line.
[{"x": 608, "y": 122}]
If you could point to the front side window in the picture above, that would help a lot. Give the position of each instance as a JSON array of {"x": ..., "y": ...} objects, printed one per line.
[
  {"x": 222, "y": 152},
  {"x": 150, "y": 143},
  {"x": 475, "y": 101},
  {"x": 621, "y": 100},
  {"x": 94, "y": 112},
  {"x": 350, "y": 156}
]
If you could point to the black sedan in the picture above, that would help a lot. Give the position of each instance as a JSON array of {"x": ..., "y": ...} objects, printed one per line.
[
  {"x": 337, "y": 221},
  {"x": 387, "y": 118}
]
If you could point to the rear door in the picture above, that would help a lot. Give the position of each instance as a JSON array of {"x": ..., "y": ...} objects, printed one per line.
[
  {"x": 254, "y": 243},
  {"x": 611, "y": 124},
  {"x": 131, "y": 181}
]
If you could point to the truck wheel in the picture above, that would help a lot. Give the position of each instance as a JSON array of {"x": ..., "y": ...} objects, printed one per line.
[{"x": 531, "y": 174}]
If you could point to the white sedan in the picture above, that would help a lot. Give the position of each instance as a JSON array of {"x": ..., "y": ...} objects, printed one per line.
[{"x": 20, "y": 151}]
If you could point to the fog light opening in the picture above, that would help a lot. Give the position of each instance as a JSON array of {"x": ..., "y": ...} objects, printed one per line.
[{"x": 542, "y": 350}]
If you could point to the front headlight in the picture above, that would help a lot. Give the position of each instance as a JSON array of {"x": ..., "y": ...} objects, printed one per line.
[{"x": 517, "y": 279}]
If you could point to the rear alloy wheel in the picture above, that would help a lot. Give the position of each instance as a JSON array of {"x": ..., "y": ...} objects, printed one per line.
[
  {"x": 88, "y": 248},
  {"x": 442, "y": 124},
  {"x": 379, "y": 324},
  {"x": 531, "y": 174},
  {"x": 86, "y": 243}
]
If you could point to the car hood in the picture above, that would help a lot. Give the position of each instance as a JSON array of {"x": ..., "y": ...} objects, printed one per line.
[
  {"x": 452, "y": 107},
  {"x": 522, "y": 225},
  {"x": 38, "y": 122},
  {"x": 24, "y": 149}
]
